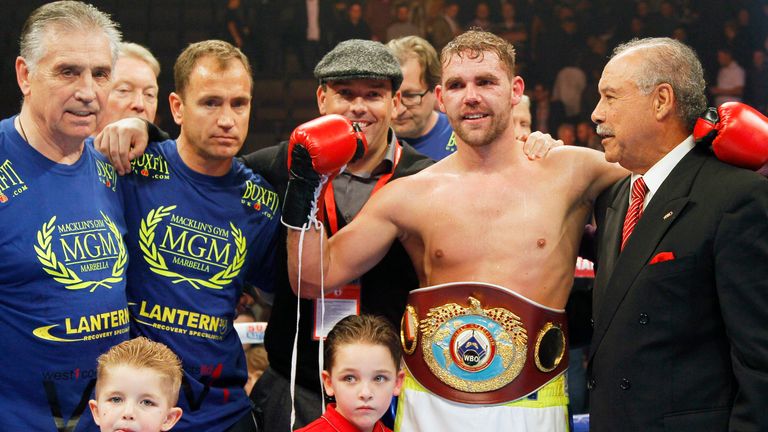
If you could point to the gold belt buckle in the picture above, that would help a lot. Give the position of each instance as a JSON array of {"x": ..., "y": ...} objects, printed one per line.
[{"x": 468, "y": 348}]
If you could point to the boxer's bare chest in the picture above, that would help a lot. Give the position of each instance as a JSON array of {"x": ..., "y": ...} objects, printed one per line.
[{"x": 515, "y": 230}]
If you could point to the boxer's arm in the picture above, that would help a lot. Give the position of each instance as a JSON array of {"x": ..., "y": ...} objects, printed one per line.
[
  {"x": 602, "y": 174},
  {"x": 125, "y": 140},
  {"x": 349, "y": 253}
]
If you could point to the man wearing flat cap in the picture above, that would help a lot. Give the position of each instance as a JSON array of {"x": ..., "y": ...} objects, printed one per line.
[{"x": 359, "y": 79}]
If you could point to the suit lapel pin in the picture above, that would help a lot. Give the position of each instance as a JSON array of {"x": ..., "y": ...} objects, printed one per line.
[{"x": 668, "y": 215}]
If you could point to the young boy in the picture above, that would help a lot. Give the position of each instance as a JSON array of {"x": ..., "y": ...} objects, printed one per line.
[
  {"x": 362, "y": 370},
  {"x": 137, "y": 387}
]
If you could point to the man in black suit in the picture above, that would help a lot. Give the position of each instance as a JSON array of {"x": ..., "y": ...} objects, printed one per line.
[{"x": 680, "y": 308}]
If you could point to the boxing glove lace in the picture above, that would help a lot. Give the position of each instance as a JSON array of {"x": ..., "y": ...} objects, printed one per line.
[{"x": 317, "y": 151}]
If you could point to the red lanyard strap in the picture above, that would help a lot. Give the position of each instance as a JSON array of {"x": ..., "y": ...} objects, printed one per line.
[{"x": 330, "y": 201}]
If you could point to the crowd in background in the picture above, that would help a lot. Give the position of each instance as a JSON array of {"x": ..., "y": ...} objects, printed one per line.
[{"x": 562, "y": 45}]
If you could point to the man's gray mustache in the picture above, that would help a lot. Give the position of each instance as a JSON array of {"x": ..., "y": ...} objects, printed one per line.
[{"x": 604, "y": 130}]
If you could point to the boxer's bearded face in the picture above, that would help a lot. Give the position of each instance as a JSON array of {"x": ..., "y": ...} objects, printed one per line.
[{"x": 478, "y": 97}]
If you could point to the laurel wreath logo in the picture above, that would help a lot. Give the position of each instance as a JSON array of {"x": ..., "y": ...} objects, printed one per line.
[
  {"x": 65, "y": 275},
  {"x": 157, "y": 262}
]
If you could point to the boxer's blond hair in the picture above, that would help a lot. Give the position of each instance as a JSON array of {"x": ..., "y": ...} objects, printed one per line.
[{"x": 475, "y": 43}]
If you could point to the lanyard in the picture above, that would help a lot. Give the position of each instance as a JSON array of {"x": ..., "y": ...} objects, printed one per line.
[{"x": 330, "y": 201}]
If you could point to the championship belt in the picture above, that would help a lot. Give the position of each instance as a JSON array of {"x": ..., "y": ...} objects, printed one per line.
[{"x": 479, "y": 343}]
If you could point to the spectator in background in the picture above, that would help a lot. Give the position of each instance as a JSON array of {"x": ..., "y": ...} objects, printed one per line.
[
  {"x": 481, "y": 19},
  {"x": 134, "y": 90},
  {"x": 747, "y": 28},
  {"x": 339, "y": 11},
  {"x": 570, "y": 83},
  {"x": 521, "y": 117},
  {"x": 237, "y": 27},
  {"x": 547, "y": 114},
  {"x": 635, "y": 29},
  {"x": 514, "y": 31},
  {"x": 354, "y": 27},
  {"x": 402, "y": 26},
  {"x": 586, "y": 135},
  {"x": 737, "y": 43},
  {"x": 444, "y": 27},
  {"x": 566, "y": 133},
  {"x": 313, "y": 21},
  {"x": 268, "y": 53},
  {"x": 258, "y": 362},
  {"x": 731, "y": 78},
  {"x": 757, "y": 82},
  {"x": 417, "y": 122},
  {"x": 592, "y": 65},
  {"x": 643, "y": 10},
  {"x": 255, "y": 354},
  {"x": 761, "y": 25},
  {"x": 665, "y": 22},
  {"x": 378, "y": 15},
  {"x": 510, "y": 28},
  {"x": 563, "y": 43},
  {"x": 680, "y": 34},
  {"x": 521, "y": 121}
]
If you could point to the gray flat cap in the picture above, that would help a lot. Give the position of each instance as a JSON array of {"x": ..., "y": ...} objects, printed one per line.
[{"x": 359, "y": 59}]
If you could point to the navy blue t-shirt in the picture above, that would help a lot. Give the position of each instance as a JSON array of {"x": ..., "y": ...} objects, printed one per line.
[
  {"x": 62, "y": 283},
  {"x": 194, "y": 241},
  {"x": 438, "y": 143}
]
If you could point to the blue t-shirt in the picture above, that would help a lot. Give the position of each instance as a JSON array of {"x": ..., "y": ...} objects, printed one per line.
[
  {"x": 62, "y": 283},
  {"x": 194, "y": 241},
  {"x": 438, "y": 143}
]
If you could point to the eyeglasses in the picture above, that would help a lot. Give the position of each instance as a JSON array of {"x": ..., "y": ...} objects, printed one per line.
[{"x": 412, "y": 99}]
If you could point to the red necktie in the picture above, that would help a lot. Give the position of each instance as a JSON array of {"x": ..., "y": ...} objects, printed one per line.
[{"x": 635, "y": 209}]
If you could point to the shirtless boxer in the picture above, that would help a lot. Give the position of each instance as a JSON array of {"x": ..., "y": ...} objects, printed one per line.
[{"x": 487, "y": 214}]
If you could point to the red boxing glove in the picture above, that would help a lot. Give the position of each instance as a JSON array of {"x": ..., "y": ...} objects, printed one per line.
[
  {"x": 332, "y": 141},
  {"x": 739, "y": 134},
  {"x": 317, "y": 151}
]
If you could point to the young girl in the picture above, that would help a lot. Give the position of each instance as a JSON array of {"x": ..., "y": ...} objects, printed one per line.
[{"x": 362, "y": 371}]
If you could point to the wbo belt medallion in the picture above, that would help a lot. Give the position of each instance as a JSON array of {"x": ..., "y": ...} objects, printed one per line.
[
  {"x": 473, "y": 349},
  {"x": 478, "y": 343}
]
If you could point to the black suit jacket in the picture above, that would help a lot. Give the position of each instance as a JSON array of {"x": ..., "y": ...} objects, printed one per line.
[{"x": 682, "y": 345}]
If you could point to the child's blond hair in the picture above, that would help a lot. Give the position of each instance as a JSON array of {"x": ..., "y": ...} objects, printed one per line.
[{"x": 144, "y": 354}]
